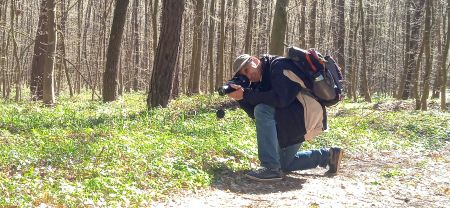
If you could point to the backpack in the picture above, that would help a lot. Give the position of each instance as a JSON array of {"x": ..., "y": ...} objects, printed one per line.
[
  {"x": 327, "y": 90},
  {"x": 323, "y": 72}
]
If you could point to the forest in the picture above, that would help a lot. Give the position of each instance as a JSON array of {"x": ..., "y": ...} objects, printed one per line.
[
  {"x": 95, "y": 96},
  {"x": 393, "y": 48}
]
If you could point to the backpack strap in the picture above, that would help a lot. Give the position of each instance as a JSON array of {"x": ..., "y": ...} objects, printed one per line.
[
  {"x": 314, "y": 114},
  {"x": 310, "y": 63}
]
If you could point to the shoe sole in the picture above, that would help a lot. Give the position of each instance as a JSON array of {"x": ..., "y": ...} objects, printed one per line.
[
  {"x": 338, "y": 163},
  {"x": 263, "y": 179},
  {"x": 340, "y": 156}
]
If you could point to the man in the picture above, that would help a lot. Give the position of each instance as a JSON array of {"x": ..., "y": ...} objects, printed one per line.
[{"x": 271, "y": 100}]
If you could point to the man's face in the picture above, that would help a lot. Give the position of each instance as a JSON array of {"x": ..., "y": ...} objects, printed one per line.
[{"x": 251, "y": 71}]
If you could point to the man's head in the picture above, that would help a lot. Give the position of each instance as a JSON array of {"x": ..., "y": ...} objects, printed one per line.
[{"x": 248, "y": 66}]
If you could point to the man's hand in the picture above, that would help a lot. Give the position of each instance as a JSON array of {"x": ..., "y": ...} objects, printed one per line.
[{"x": 238, "y": 94}]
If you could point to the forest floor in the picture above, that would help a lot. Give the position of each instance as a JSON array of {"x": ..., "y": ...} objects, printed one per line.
[{"x": 382, "y": 179}]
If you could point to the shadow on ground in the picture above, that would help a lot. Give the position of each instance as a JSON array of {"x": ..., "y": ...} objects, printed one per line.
[{"x": 236, "y": 182}]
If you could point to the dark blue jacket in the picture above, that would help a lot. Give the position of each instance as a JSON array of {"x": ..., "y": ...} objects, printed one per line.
[{"x": 280, "y": 92}]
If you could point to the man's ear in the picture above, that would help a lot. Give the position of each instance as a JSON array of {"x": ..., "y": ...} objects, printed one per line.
[{"x": 254, "y": 62}]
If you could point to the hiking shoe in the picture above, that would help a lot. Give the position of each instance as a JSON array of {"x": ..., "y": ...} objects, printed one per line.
[
  {"x": 265, "y": 174},
  {"x": 336, "y": 155}
]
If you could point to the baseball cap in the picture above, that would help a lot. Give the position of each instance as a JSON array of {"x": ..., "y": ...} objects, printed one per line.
[{"x": 240, "y": 61}]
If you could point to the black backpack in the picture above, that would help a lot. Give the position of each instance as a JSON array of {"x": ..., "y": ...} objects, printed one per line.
[{"x": 324, "y": 73}]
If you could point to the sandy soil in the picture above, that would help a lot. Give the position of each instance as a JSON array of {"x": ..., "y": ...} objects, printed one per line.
[{"x": 383, "y": 179}]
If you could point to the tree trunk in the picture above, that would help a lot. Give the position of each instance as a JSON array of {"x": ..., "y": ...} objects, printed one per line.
[
  {"x": 302, "y": 25},
  {"x": 194, "y": 76},
  {"x": 278, "y": 28},
  {"x": 413, "y": 48},
  {"x": 364, "y": 81},
  {"x": 211, "y": 38},
  {"x": 416, "y": 75},
  {"x": 110, "y": 76},
  {"x": 312, "y": 25},
  {"x": 15, "y": 51},
  {"x": 408, "y": 61},
  {"x": 428, "y": 61},
  {"x": 221, "y": 47},
  {"x": 48, "y": 77},
  {"x": 136, "y": 46},
  {"x": 39, "y": 55},
  {"x": 79, "y": 46},
  {"x": 444, "y": 69},
  {"x": 62, "y": 44},
  {"x": 155, "y": 25},
  {"x": 166, "y": 54},
  {"x": 248, "y": 33},
  {"x": 341, "y": 35}
]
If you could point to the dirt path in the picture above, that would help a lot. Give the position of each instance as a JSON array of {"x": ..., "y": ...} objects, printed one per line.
[{"x": 384, "y": 179}]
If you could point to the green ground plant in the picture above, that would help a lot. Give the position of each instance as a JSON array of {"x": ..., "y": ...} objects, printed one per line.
[{"x": 82, "y": 152}]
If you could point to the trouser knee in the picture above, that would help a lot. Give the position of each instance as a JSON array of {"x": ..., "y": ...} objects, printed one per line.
[{"x": 263, "y": 111}]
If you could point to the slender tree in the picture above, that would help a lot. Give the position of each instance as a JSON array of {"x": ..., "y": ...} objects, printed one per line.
[
  {"x": 166, "y": 54},
  {"x": 427, "y": 49},
  {"x": 312, "y": 25},
  {"x": 40, "y": 49},
  {"x": 48, "y": 76},
  {"x": 363, "y": 76},
  {"x": 278, "y": 28},
  {"x": 211, "y": 38},
  {"x": 341, "y": 35},
  {"x": 221, "y": 46},
  {"x": 137, "y": 61},
  {"x": 194, "y": 76},
  {"x": 110, "y": 81},
  {"x": 249, "y": 30},
  {"x": 444, "y": 68}
]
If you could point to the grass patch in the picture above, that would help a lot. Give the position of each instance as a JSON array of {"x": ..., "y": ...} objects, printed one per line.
[{"x": 83, "y": 153}]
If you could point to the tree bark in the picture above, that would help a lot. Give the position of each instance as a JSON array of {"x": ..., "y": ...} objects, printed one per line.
[
  {"x": 221, "y": 46},
  {"x": 312, "y": 25},
  {"x": 166, "y": 54},
  {"x": 110, "y": 81},
  {"x": 278, "y": 28},
  {"x": 155, "y": 24},
  {"x": 427, "y": 50},
  {"x": 341, "y": 35},
  {"x": 211, "y": 38},
  {"x": 407, "y": 58},
  {"x": 364, "y": 80},
  {"x": 39, "y": 55},
  {"x": 302, "y": 25},
  {"x": 249, "y": 33},
  {"x": 48, "y": 77},
  {"x": 136, "y": 46},
  {"x": 444, "y": 69},
  {"x": 413, "y": 48},
  {"x": 194, "y": 76}
]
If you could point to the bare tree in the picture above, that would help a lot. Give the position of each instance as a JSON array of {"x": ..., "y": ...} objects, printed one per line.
[
  {"x": 249, "y": 33},
  {"x": 363, "y": 76},
  {"x": 166, "y": 54},
  {"x": 444, "y": 68},
  {"x": 48, "y": 76},
  {"x": 278, "y": 28},
  {"x": 428, "y": 61},
  {"x": 39, "y": 56},
  {"x": 110, "y": 82},
  {"x": 194, "y": 76}
]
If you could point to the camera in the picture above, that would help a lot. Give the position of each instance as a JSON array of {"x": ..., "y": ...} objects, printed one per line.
[{"x": 237, "y": 80}]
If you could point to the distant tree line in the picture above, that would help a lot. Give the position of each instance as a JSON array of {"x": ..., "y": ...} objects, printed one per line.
[{"x": 166, "y": 48}]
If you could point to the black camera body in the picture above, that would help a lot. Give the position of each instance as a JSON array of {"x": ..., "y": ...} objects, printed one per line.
[{"x": 237, "y": 80}]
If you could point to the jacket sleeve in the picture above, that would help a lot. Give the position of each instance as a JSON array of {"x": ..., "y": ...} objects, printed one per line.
[
  {"x": 282, "y": 94},
  {"x": 248, "y": 108}
]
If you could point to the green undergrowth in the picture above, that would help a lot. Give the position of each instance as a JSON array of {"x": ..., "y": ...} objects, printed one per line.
[{"x": 88, "y": 153}]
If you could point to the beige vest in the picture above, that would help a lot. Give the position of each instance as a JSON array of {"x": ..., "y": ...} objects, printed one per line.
[{"x": 313, "y": 111}]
